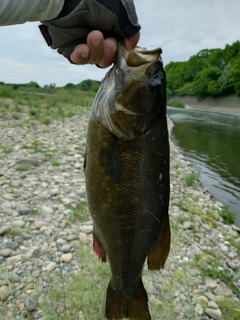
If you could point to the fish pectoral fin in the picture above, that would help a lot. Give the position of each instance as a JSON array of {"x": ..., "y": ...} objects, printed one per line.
[
  {"x": 157, "y": 258},
  {"x": 109, "y": 157}
]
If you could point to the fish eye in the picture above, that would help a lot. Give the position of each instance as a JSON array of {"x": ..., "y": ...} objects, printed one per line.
[{"x": 155, "y": 86}]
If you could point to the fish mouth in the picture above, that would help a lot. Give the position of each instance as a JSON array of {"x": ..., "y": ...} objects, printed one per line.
[{"x": 138, "y": 57}]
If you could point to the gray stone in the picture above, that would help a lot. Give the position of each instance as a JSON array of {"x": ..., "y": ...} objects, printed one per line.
[
  {"x": 86, "y": 228},
  {"x": 38, "y": 156},
  {"x": 60, "y": 241},
  {"x": 31, "y": 303},
  {"x": 11, "y": 245},
  {"x": 75, "y": 244},
  {"x": 233, "y": 265},
  {"x": 212, "y": 305},
  {"x": 202, "y": 299},
  {"x": 4, "y": 229},
  {"x": 18, "y": 223},
  {"x": 5, "y": 253},
  {"x": 186, "y": 225},
  {"x": 78, "y": 165},
  {"x": 39, "y": 224},
  {"x": 23, "y": 210},
  {"x": 45, "y": 178},
  {"x": 51, "y": 266},
  {"x": 54, "y": 192},
  {"x": 47, "y": 210},
  {"x": 222, "y": 290},
  {"x": 33, "y": 162},
  {"x": 10, "y": 277},
  {"x": 66, "y": 248},
  {"x": 7, "y": 205},
  {"x": 12, "y": 261},
  {"x": 26, "y": 236},
  {"x": 23, "y": 174},
  {"x": 4, "y": 293},
  {"x": 66, "y": 257},
  {"x": 216, "y": 314},
  {"x": 210, "y": 283}
]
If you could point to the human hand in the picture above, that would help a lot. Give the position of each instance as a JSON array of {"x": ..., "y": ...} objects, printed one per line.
[
  {"x": 100, "y": 51},
  {"x": 75, "y": 31}
]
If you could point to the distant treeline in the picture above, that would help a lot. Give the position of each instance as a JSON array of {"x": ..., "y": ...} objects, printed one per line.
[
  {"x": 86, "y": 85},
  {"x": 211, "y": 72}
]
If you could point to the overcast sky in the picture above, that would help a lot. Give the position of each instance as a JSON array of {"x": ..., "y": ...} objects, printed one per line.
[{"x": 180, "y": 27}]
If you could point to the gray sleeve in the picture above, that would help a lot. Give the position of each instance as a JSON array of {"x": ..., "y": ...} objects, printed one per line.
[{"x": 20, "y": 11}]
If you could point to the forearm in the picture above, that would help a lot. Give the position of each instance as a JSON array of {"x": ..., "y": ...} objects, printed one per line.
[{"x": 20, "y": 11}]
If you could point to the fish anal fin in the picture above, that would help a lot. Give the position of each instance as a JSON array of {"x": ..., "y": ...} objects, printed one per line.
[
  {"x": 109, "y": 156},
  {"x": 97, "y": 248},
  {"x": 121, "y": 305},
  {"x": 157, "y": 258}
]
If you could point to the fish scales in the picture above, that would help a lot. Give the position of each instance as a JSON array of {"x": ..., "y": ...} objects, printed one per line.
[{"x": 127, "y": 177}]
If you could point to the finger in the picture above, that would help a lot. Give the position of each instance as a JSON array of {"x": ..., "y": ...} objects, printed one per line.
[
  {"x": 95, "y": 44},
  {"x": 132, "y": 41},
  {"x": 108, "y": 53},
  {"x": 80, "y": 54}
]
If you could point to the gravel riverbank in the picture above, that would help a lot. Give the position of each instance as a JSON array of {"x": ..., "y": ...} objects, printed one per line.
[{"x": 41, "y": 194}]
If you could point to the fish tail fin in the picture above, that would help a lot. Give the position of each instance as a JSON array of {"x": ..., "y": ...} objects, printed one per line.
[
  {"x": 133, "y": 306},
  {"x": 138, "y": 304},
  {"x": 157, "y": 258}
]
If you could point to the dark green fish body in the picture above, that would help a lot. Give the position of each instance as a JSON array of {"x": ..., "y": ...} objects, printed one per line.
[{"x": 127, "y": 177}]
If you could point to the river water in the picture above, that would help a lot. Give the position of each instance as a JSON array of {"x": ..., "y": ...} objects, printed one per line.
[{"x": 211, "y": 142}]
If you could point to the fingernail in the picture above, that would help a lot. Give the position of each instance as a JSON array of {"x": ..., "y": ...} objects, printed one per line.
[
  {"x": 84, "y": 54},
  {"x": 96, "y": 41}
]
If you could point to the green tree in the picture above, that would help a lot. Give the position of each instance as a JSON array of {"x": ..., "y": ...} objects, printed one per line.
[
  {"x": 205, "y": 82},
  {"x": 235, "y": 75},
  {"x": 211, "y": 72}
]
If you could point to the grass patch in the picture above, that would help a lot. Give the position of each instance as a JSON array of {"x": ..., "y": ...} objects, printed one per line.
[
  {"x": 6, "y": 92},
  {"x": 235, "y": 242},
  {"x": 214, "y": 269},
  {"x": 24, "y": 167},
  {"x": 192, "y": 179},
  {"x": 55, "y": 163},
  {"x": 15, "y": 116},
  {"x": 77, "y": 213},
  {"x": 209, "y": 216},
  {"x": 5, "y": 149},
  {"x": 175, "y": 103},
  {"x": 82, "y": 296},
  {"x": 45, "y": 121},
  {"x": 42, "y": 105},
  {"x": 230, "y": 308},
  {"x": 227, "y": 215},
  {"x": 14, "y": 232}
]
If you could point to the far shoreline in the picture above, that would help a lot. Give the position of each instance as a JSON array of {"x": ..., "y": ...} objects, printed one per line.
[{"x": 226, "y": 105}]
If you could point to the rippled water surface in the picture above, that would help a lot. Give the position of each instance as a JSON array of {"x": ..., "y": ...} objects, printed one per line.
[{"x": 211, "y": 141}]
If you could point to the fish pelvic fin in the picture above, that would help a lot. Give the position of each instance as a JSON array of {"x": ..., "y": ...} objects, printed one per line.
[
  {"x": 157, "y": 258},
  {"x": 132, "y": 306},
  {"x": 98, "y": 249}
]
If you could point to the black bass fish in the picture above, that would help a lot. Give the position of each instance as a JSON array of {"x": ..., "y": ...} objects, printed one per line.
[{"x": 127, "y": 177}]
